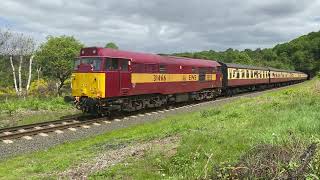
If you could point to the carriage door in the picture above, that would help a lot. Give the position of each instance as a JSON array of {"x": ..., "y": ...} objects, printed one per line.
[{"x": 125, "y": 77}]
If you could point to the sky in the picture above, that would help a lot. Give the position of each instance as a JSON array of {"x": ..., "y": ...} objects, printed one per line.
[{"x": 165, "y": 26}]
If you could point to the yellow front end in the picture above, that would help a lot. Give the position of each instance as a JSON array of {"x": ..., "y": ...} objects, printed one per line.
[{"x": 92, "y": 85}]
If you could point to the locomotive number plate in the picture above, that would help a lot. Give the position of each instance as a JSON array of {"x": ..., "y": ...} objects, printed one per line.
[{"x": 159, "y": 78}]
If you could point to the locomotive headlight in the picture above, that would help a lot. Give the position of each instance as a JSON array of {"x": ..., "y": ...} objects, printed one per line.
[{"x": 94, "y": 51}]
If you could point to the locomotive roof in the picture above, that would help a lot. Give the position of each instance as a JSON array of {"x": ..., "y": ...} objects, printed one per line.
[{"x": 149, "y": 58}]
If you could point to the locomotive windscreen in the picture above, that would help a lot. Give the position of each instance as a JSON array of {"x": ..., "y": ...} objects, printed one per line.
[{"x": 94, "y": 62}]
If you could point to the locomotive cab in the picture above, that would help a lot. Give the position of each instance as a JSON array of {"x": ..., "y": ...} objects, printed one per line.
[
  {"x": 98, "y": 77},
  {"x": 88, "y": 78}
]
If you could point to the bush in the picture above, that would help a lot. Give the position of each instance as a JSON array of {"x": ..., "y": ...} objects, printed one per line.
[
  {"x": 7, "y": 91},
  {"x": 44, "y": 88},
  {"x": 39, "y": 88}
]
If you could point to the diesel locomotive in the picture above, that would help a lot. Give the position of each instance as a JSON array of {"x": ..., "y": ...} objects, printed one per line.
[{"x": 107, "y": 80}]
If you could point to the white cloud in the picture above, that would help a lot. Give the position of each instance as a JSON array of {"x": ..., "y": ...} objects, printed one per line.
[{"x": 163, "y": 26}]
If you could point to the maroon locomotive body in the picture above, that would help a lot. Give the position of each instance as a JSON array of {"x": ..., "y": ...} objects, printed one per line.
[{"x": 121, "y": 80}]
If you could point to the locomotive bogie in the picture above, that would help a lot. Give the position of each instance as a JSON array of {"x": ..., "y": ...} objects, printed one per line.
[{"x": 135, "y": 103}]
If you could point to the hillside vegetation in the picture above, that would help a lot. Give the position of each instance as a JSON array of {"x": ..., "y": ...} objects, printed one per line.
[{"x": 301, "y": 54}]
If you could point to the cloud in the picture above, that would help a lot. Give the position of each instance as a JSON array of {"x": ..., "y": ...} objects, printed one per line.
[{"x": 164, "y": 26}]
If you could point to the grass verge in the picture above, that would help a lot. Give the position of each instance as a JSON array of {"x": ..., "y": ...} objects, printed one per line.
[
  {"x": 212, "y": 142},
  {"x": 18, "y": 111}
]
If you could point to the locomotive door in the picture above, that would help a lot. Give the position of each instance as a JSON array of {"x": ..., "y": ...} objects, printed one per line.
[
  {"x": 125, "y": 77},
  {"x": 112, "y": 77}
]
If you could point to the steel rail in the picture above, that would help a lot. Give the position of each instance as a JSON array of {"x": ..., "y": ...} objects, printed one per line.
[{"x": 47, "y": 128}]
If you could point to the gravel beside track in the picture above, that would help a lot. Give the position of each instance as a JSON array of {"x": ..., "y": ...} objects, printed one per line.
[{"x": 23, "y": 145}]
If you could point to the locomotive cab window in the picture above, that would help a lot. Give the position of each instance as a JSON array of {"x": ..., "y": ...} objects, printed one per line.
[
  {"x": 124, "y": 64},
  {"x": 94, "y": 62},
  {"x": 112, "y": 64}
]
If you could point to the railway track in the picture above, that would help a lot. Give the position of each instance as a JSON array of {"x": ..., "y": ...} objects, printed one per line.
[
  {"x": 7, "y": 135},
  {"x": 26, "y": 131}
]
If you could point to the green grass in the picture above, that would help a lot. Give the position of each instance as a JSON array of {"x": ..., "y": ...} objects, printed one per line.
[
  {"x": 19, "y": 111},
  {"x": 32, "y": 103},
  {"x": 225, "y": 133}
]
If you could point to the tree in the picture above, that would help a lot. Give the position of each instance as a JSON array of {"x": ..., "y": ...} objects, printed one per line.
[
  {"x": 25, "y": 48},
  {"x": 56, "y": 57},
  {"x": 18, "y": 45},
  {"x": 5, "y": 76},
  {"x": 111, "y": 45}
]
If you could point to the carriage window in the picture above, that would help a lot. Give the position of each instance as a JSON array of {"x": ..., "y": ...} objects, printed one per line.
[
  {"x": 230, "y": 74},
  {"x": 238, "y": 74},
  {"x": 234, "y": 74},
  {"x": 162, "y": 69}
]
